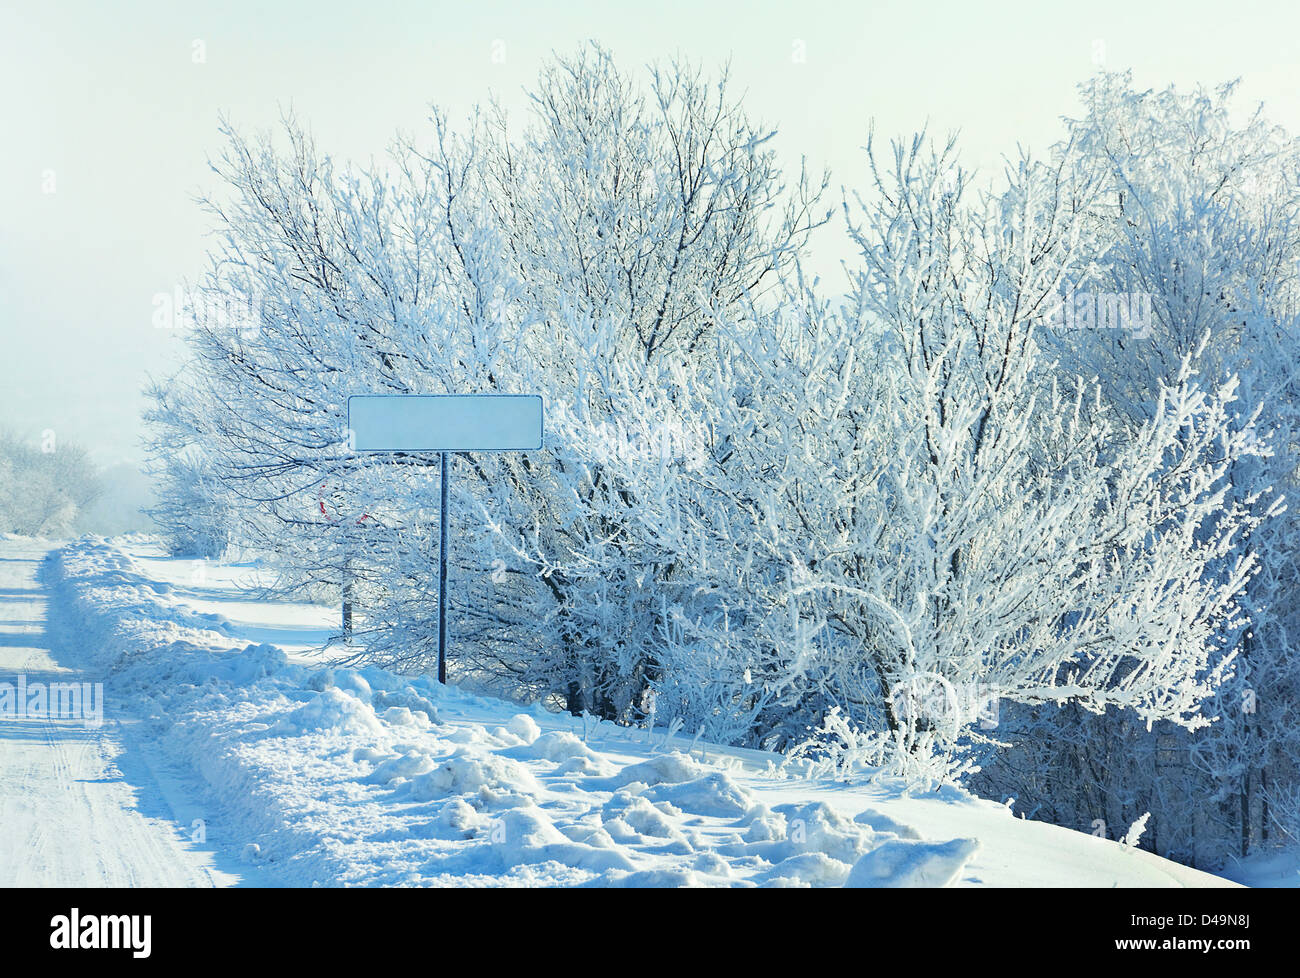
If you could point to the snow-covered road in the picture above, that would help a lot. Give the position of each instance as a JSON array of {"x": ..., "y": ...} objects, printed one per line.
[{"x": 80, "y": 805}]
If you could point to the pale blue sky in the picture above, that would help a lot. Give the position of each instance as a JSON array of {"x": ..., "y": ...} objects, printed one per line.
[{"x": 108, "y": 98}]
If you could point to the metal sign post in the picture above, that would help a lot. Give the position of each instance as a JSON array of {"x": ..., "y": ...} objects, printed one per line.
[
  {"x": 446, "y": 424},
  {"x": 445, "y": 460}
]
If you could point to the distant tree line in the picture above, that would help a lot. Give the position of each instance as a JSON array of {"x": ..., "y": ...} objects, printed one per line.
[{"x": 45, "y": 488}]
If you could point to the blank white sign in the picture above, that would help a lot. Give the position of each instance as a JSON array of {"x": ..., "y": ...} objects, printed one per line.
[{"x": 445, "y": 422}]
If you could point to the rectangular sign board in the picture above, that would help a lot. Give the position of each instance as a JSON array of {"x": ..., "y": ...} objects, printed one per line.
[{"x": 445, "y": 422}]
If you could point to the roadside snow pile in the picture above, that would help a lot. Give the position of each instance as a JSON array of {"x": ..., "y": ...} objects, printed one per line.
[
  {"x": 360, "y": 777},
  {"x": 116, "y": 616}
]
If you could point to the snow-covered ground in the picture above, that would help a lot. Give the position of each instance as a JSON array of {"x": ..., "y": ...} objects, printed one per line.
[{"x": 231, "y": 752}]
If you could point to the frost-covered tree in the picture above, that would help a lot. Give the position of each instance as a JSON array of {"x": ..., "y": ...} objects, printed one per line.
[
  {"x": 477, "y": 261},
  {"x": 885, "y": 502},
  {"x": 635, "y": 219},
  {"x": 1021, "y": 542},
  {"x": 1193, "y": 253},
  {"x": 192, "y": 511},
  {"x": 45, "y": 488}
]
